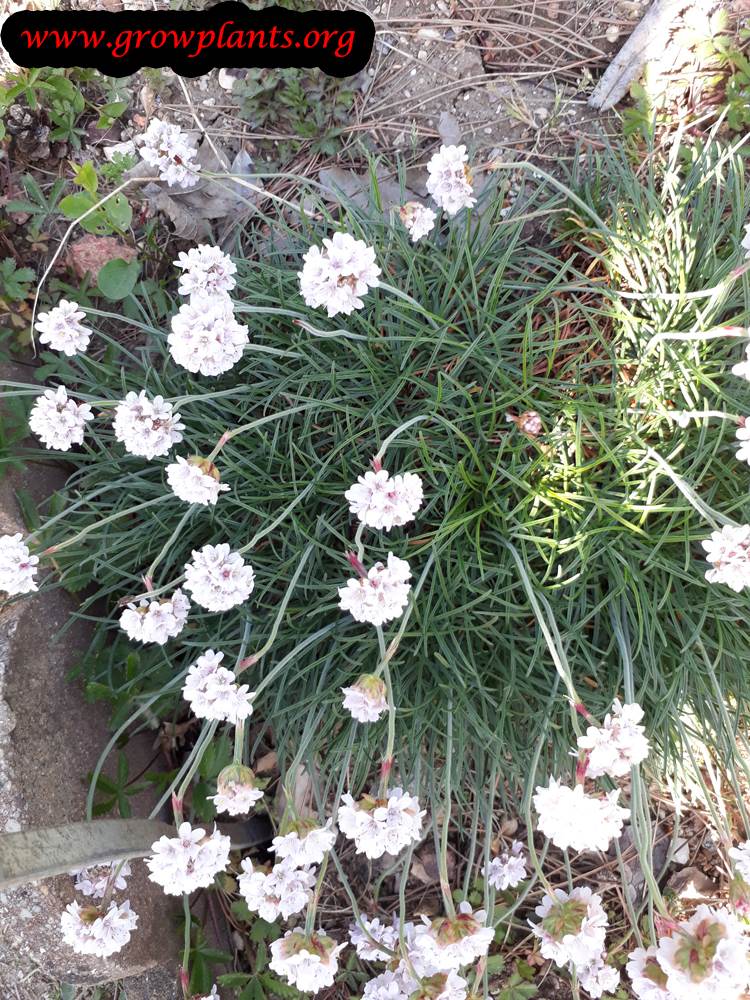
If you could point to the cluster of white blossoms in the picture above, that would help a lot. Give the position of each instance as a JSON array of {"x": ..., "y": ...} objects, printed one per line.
[
  {"x": 206, "y": 339},
  {"x": 218, "y": 578},
  {"x": 381, "y": 826},
  {"x": 167, "y": 148},
  {"x": 449, "y": 180},
  {"x": 379, "y": 594},
  {"x": 156, "y": 621},
  {"x": 508, "y": 869},
  {"x": 195, "y": 480},
  {"x": 618, "y": 745},
  {"x": 89, "y": 930},
  {"x": 62, "y": 330},
  {"x": 212, "y": 691},
  {"x": 103, "y": 929},
  {"x": 381, "y": 502},
  {"x": 147, "y": 427},
  {"x": 572, "y": 819},
  {"x": 189, "y": 861},
  {"x": 728, "y": 551},
  {"x": 705, "y": 956},
  {"x": 59, "y": 422},
  {"x": 337, "y": 276},
  {"x": 418, "y": 219},
  {"x": 284, "y": 890},
  {"x": 742, "y": 368},
  {"x": 366, "y": 699},
  {"x": 208, "y": 271},
  {"x": 449, "y": 943},
  {"x": 309, "y": 962},
  {"x": 237, "y": 790},
  {"x": 435, "y": 952},
  {"x": 17, "y": 566},
  {"x": 303, "y": 842},
  {"x": 95, "y": 881},
  {"x": 571, "y": 930}
]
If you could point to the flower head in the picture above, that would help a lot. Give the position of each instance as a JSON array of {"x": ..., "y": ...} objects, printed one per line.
[
  {"x": 166, "y": 147},
  {"x": 338, "y": 275},
  {"x": 195, "y": 480},
  {"x": 380, "y": 595},
  {"x": 90, "y": 931},
  {"x": 742, "y": 368},
  {"x": 303, "y": 842},
  {"x": 390, "y": 985},
  {"x": 147, "y": 427},
  {"x": 572, "y": 927},
  {"x": 285, "y": 890},
  {"x": 618, "y": 745},
  {"x": 418, "y": 219},
  {"x": 382, "y": 502},
  {"x": 62, "y": 330},
  {"x": 218, "y": 578},
  {"x": 362, "y": 938},
  {"x": 380, "y": 826},
  {"x": 17, "y": 565},
  {"x": 206, "y": 338},
  {"x": 366, "y": 699},
  {"x": 156, "y": 621},
  {"x": 647, "y": 978},
  {"x": 95, "y": 881},
  {"x": 57, "y": 421},
  {"x": 237, "y": 790},
  {"x": 741, "y": 857},
  {"x": 728, "y": 551},
  {"x": 188, "y": 861},
  {"x": 448, "y": 943},
  {"x": 706, "y": 955},
  {"x": 207, "y": 271},
  {"x": 598, "y": 978},
  {"x": 572, "y": 819},
  {"x": 449, "y": 180},
  {"x": 307, "y": 962},
  {"x": 213, "y": 693},
  {"x": 507, "y": 870}
]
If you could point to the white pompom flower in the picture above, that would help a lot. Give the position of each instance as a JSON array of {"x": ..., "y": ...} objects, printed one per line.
[
  {"x": 508, "y": 869},
  {"x": 418, "y": 219},
  {"x": 705, "y": 956},
  {"x": 59, "y": 422},
  {"x": 88, "y": 930},
  {"x": 17, "y": 566},
  {"x": 598, "y": 978},
  {"x": 94, "y": 881},
  {"x": 742, "y": 368},
  {"x": 728, "y": 552},
  {"x": 206, "y": 271},
  {"x": 381, "y": 826},
  {"x": 740, "y": 855},
  {"x": 366, "y": 699},
  {"x": 572, "y": 819},
  {"x": 171, "y": 151},
  {"x": 62, "y": 330},
  {"x": 218, "y": 578},
  {"x": 308, "y": 962},
  {"x": 195, "y": 480},
  {"x": 156, "y": 621},
  {"x": 339, "y": 275},
  {"x": 189, "y": 861},
  {"x": 213, "y": 693},
  {"x": 449, "y": 943},
  {"x": 449, "y": 180},
  {"x": 363, "y": 935},
  {"x": 147, "y": 427},
  {"x": 616, "y": 746},
  {"x": 206, "y": 339},
  {"x": 377, "y": 595},
  {"x": 283, "y": 891},
  {"x": 647, "y": 978},
  {"x": 303, "y": 842},
  {"x": 572, "y": 927},
  {"x": 237, "y": 790},
  {"x": 380, "y": 501}
]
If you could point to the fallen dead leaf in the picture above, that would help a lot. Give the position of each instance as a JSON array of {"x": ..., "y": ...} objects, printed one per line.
[{"x": 89, "y": 254}]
